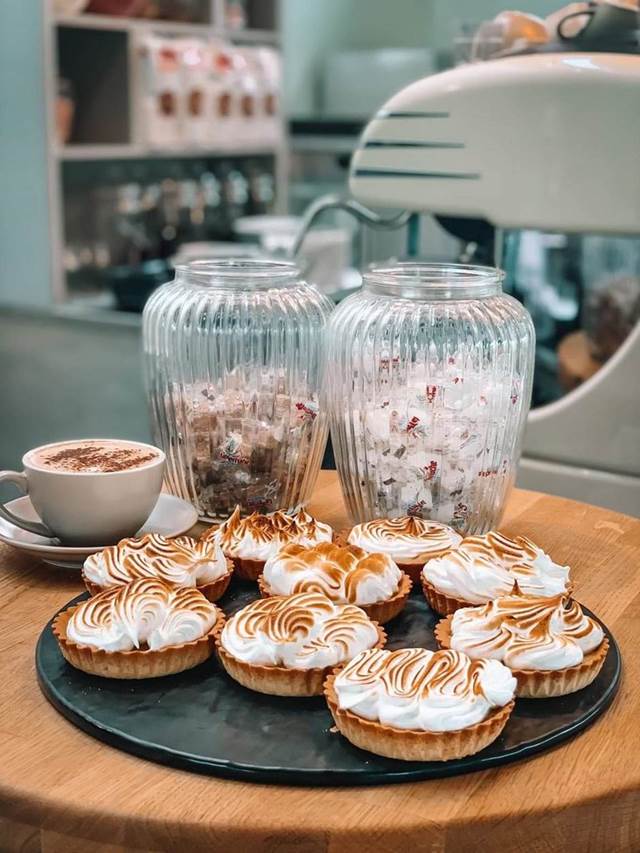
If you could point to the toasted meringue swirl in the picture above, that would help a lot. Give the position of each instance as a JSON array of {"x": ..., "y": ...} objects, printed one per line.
[
  {"x": 486, "y": 567},
  {"x": 145, "y": 613},
  {"x": 258, "y": 537},
  {"x": 347, "y": 574},
  {"x": 423, "y": 690},
  {"x": 299, "y": 631},
  {"x": 526, "y": 632},
  {"x": 405, "y": 538},
  {"x": 182, "y": 561}
]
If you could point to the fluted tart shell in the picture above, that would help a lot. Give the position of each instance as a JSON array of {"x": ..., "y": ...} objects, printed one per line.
[
  {"x": 544, "y": 684},
  {"x": 438, "y": 601},
  {"x": 278, "y": 680},
  {"x": 212, "y": 591},
  {"x": 247, "y": 570},
  {"x": 413, "y": 744},
  {"x": 380, "y": 611},
  {"x": 137, "y": 663}
]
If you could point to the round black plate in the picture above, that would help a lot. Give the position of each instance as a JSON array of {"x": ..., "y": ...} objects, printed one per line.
[{"x": 202, "y": 720}]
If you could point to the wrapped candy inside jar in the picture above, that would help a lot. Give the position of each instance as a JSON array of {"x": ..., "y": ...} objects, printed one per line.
[
  {"x": 234, "y": 351},
  {"x": 245, "y": 442},
  {"x": 429, "y": 402}
]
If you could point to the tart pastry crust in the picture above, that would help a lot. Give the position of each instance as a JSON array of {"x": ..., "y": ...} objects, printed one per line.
[
  {"x": 137, "y": 663},
  {"x": 438, "y": 601},
  {"x": 544, "y": 684},
  {"x": 278, "y": 680},
  {"x": 411, "y": 744}
]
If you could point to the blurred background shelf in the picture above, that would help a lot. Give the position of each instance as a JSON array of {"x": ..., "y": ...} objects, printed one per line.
[
  {"x": 77, "y": 152},
  {"x": 90, "y": 21},
  {"x": 123, "y": 193}
]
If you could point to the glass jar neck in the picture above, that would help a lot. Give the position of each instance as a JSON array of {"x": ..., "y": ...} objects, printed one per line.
[
  {"x": 430, "y": 282},
  {"x": 240, "y": 274}
]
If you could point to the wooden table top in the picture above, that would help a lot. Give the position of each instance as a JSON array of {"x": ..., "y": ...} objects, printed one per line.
[{"x": 58, "y": 784}]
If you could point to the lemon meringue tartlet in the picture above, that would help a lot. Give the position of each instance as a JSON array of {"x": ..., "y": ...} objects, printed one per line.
[
  {"x": 409, "y": 541},
  {"x": 549, "y": 644},
  {"x": 144, "y": 629},
  {"x": 418, "y": 705},
  {"x": 344, "y": 573},
  {"x": 286, "y": 645},
  {"x": 250, "y": 541},
  {"x": 486, "y": 567},
  {"x": 182, "y": 561}
]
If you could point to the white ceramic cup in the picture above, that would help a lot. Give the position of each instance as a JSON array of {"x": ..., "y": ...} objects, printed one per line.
[{"x": 87, "y": 507}]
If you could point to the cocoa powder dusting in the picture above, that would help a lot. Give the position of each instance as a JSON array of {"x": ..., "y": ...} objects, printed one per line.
[{"x": 96, "y": 457}]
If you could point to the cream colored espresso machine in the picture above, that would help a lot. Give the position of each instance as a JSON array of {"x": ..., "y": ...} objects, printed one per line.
[{"x": 547, "y": 140}]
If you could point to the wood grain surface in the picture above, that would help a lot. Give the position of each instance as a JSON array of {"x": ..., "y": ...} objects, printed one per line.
[{"x": 61, "y": 790}]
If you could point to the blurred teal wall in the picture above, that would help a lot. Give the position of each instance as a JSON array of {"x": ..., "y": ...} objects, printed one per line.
[
  {"x": 314, "y": 28},
  {"x": 25, "y": 273},
  {"x": 68, "y": 378}
]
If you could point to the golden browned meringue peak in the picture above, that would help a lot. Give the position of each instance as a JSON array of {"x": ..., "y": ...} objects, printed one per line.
[
  {"x": 485, "y": 567},
  {"x": 300, "y": 631},
  {"x": 421, "y": 689},
  {"x": 495, "y": 545},
  {"x": 527, "y": 632},
  {"x": 345, "y": 574},
  {"x": 259, "y": 536},
  {"x": 406, "y": 538},
  {"x": 145, "y": 613},
  {"x": 183, "y": 561}
]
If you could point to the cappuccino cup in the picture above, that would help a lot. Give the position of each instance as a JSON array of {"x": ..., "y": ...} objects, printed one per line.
[{"x": 89, "y": 491}]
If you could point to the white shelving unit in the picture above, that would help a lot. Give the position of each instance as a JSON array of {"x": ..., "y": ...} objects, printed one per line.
[
  {"x": 102, "y": 38},
  {"x": 126, "y": 151},
  {"x": 111, "y": 22}
]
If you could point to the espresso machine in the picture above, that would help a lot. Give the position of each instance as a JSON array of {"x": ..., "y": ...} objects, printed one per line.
[{"x": 544, "y": 137}]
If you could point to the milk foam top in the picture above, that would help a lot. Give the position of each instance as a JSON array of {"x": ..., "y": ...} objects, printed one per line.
[{"x": 93, "y": 456}]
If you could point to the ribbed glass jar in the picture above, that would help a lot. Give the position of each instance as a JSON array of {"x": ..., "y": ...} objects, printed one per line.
[
  {"x": 234, "y": 355},
  {"x": 429, "y": 381}
]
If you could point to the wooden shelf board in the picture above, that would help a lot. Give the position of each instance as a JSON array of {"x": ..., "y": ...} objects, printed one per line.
[
  {"x": 120, "y": 152},
  {"x": 112, "y": 22}
]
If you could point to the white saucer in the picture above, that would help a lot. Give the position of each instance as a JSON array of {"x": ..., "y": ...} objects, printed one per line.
[{"x": 171, "y": 517}]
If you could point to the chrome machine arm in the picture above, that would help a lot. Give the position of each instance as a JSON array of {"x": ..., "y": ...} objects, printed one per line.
[{"x": 359, "y": 211}]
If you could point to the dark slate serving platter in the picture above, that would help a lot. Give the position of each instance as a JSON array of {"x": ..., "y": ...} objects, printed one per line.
[{"x": 201, "y": 720}]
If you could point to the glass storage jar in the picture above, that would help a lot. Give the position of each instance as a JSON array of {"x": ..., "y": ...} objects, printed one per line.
[
  {"x": 429, "y": 381},
  {"x": 234, "y": 355}
]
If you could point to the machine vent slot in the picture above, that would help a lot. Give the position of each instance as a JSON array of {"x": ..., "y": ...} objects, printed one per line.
[
  {"x": 391, "y": 143},
  {"x": 395, "y": 173},
  {"x": 392, "y": 114}
]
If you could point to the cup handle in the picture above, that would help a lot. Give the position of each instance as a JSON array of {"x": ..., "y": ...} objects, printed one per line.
[{"x": 20, "y": 482}]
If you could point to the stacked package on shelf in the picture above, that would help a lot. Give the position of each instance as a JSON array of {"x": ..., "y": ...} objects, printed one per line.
[
  {"x": 196, "y": 96},
  {"x": 161, "y": 92},
  {"x": 208, "y": 94}
]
